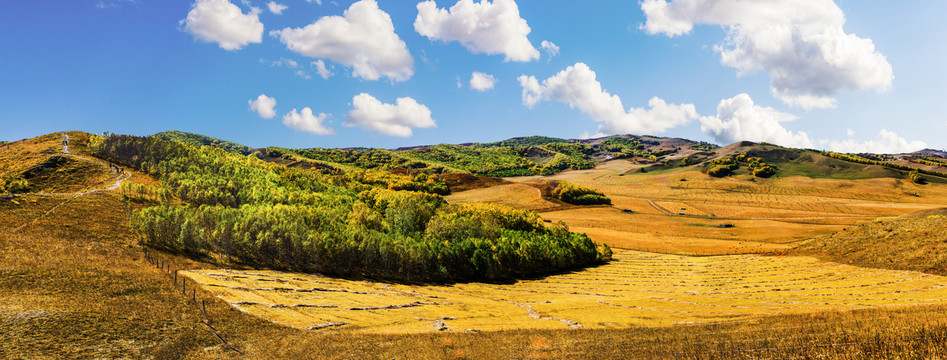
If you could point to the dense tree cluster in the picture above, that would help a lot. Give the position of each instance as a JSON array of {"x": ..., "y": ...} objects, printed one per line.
[
  {"x": 201, "y": 140},
  {"x": 928, "y": 160},
  {"x": 577, "y": 194},
  {"x": 727, "y": 165},
  {"x": 704, "y": 146},
  {"x": 622, "y": 148},
  {"x": 367, "y": 159},
  {"x": 262, "y": 214}
]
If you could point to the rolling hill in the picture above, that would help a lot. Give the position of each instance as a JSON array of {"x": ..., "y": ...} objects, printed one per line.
[{"x": 80, "y": 280}]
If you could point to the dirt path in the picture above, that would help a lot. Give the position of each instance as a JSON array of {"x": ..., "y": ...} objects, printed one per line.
[
  {"x": 119, "y": 178},
  {"x": 661, "y": 209}
]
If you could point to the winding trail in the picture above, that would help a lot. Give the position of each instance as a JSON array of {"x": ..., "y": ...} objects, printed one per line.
[{"x": 65, "y": 152}]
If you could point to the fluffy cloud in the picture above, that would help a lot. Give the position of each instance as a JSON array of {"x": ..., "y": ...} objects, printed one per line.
[
  {"x": 739, "y": 119},
  {"x": 324, "y": 72},
  {"x": 363, "y": 38},
  {"x": 276, "y": 8},
  {"x": 263, "y": 105},
  {"x": 222, "y": 22},
  {"x": 482, "y": 82},
  {"x": 577, "y": 87},
  {"x": 886, "y": 142},
  {"x": 550, "y": 48},
  {"x": 483, "y": 27},
  {"x": 800, "y": 44},
  {"x": 306, "y": 121},
  {"x": 388, "y": 119}
]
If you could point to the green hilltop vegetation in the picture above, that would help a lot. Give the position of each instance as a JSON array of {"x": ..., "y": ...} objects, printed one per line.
[
  {"x": 215, "y": 204},
  {"x": 533, "y": 155},
  {"x": 202, "y": 140}
]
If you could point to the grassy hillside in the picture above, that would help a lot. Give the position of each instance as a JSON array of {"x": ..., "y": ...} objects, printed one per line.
[
  {"x": 74, "y": 284},
  {"x": 908, "y": 242}
]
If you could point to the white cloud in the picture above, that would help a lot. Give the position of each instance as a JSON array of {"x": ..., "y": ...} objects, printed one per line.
[
  {"x": 738, "y": 119},
  {"x": 550, "y": 48},
  {"x": 315, "y": 1},
  {"x": 222, "y": 22},
  {"x": 800, "y": 44},
  {"x": 363, "y": 38},
  {"x": 305, "y": 121},
  {"x": 577, "y": 87},
  {"x": 482, "y": 82},
  {"x": 388, "y": 119},
  {"x": 483, "y": 27},
  {"x": 321, "y": 69},
  {"x": 850, "y": 132},
  {"x": 886, "y": 142},
  {"x": 263, "y": 105},
  {"x": 276, "y": 8}
]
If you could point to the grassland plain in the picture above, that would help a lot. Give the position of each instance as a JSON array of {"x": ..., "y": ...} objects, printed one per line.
[
  {"x": 75, "y": 285},
  {"x": 684, "y": 211}
]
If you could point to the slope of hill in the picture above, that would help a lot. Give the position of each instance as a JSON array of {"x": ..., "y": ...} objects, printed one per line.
[
  {"x": 199, "y": 140},
  {"x": 916, "y": 242},
  {"x": 75, "y": 284}
]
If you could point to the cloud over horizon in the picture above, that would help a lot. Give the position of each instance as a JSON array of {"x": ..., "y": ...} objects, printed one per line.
[
  {"x": 396, "y": 119},
  {"x": 739, "y": 119},
  {"x": 800, "y": 45},
  {"x": 363, "y": 38},
  {"x": 886, "y": 142},
  {"x": 578, "y": 87},
  {"x": 482, "y": 27}
]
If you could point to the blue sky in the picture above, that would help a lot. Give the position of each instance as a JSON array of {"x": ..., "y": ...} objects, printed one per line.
[{"x": 845, "y": 75}]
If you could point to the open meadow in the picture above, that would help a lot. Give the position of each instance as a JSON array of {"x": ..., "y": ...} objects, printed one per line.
[{"x": 684, "y": 211}]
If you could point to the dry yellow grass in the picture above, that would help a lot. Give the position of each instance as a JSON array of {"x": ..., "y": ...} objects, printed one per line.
[
  {"x": 637, "y": 289},
  {"x": 767, "y": 214},
  {"x": 519, "y": 196}
]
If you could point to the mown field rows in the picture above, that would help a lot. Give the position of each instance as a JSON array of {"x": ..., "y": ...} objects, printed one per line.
[{"x": 638, "y": 289}]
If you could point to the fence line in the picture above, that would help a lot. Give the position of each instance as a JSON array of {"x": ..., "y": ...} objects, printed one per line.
[{"x": 172, "y": 274}]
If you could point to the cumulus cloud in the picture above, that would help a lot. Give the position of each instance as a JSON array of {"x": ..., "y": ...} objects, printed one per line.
[
  {"x": 482, "y": 82},
  {"x": 738, "y": 119},
  {"x": 484, "y": 27},
  {"x": 550, "y": 48},
  {"x": 363, "y": 38},
  {"x": 276, "y": 8},
  {"x": 305, "y": 121},
  {"x": 321, "y": 69},
  {"x": 886, "y": 142},
  {"x": 800, "y": 44},
  {"x": 264, "y": 106},
  {"x": 223, "y": 22},
  {"x": 390, "y": 119},
  {"x": 577, "y": 87}
]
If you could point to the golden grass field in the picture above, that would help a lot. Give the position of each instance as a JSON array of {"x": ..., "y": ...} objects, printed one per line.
[
  {"x": 75, "y": 283},
  {"x": 637, "y": 289},
  {"x": 767, "y": 214}
]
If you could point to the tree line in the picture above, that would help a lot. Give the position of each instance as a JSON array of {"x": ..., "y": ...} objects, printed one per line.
[{"x": 213, "y": 203}]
